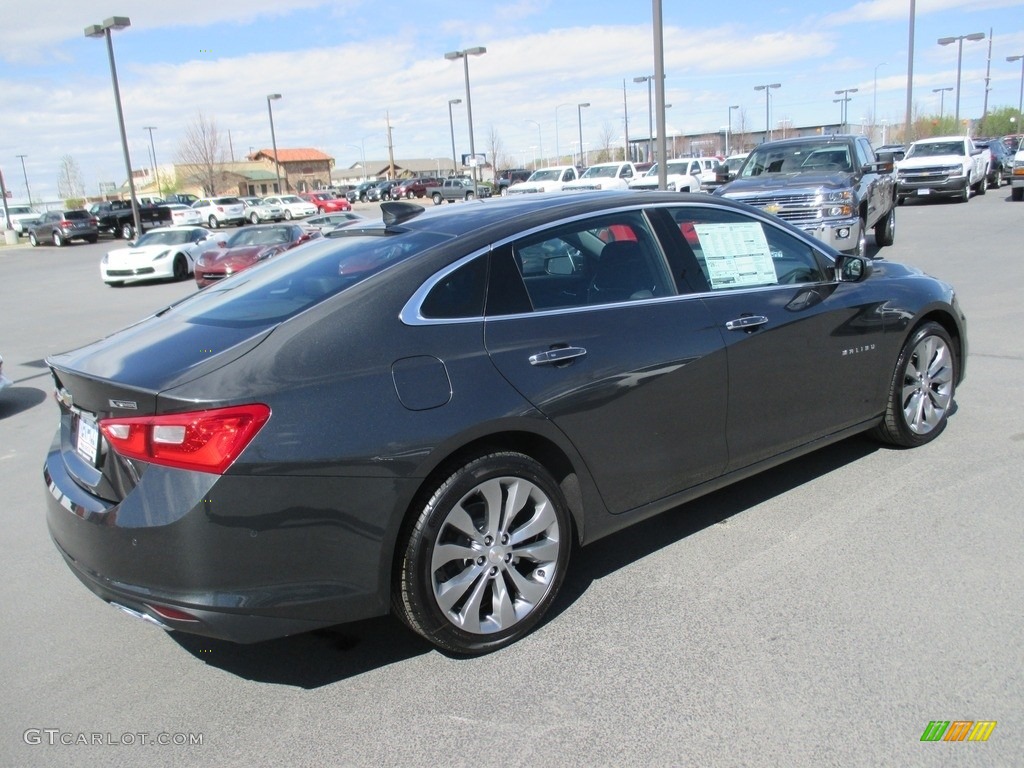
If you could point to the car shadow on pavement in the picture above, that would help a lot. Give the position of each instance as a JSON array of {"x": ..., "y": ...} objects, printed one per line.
[
  {"x": 322, "y": 657},
  {"x": 604, "y": 557},
  {"x": 16, "y": 399}
]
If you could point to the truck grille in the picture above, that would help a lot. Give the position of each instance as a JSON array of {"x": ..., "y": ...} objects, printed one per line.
[
  {"x": 801, "y": 209},
  {"x": 929, "y": 174}
]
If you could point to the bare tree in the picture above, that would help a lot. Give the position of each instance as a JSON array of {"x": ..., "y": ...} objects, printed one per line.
[
  {"x": 605, "y": 139},
  {"x": 69, "y": 180},
  {"x": 497, "y": 153},
  {"x": 203, "y": 150}
]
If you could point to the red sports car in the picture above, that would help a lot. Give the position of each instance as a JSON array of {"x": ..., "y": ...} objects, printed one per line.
[
  {"x": 249, "y": 246},
  {"x": 326, "y": 202}
]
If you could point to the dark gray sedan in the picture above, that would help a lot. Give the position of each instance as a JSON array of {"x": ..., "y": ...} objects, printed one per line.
[{"x": 422, "y": 415}]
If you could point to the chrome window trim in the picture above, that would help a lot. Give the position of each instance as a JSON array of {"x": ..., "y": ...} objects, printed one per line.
[{"x": 411, "y": 314}]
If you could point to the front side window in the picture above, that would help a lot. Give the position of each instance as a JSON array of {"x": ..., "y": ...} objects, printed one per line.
[{"x": 735, "y": 251}]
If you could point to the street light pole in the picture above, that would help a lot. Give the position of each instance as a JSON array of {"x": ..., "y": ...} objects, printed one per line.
[
  {"x": 767, "y": 88},
  {"x": 959, "y": 40},
  {"x": 540, "y": 142},
  {"x": 464, "y": 55},
  {"x": 273, "y": 141},
  {"x": 558, "y": 150},
  {"x": 579, "y": 124},
  {"x": 451, "y": 127},
  {"x": 728, "y": 128},
  {"x": 103, "y": 30},
  {"x": 874, "y": 100},
  {"x": 942, "y": 99},
  {"x": 845, "y": 92},
  {"x": 1020, "y": 98},
  {"x": 25, "y": 174},
  {"x": 152, "y": 148},
  {"x": 649, "y": 79}
]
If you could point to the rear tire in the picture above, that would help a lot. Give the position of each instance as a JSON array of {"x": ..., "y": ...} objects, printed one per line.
[
  {"x": 92, "y": 238},
  {"x": 1017, "y": 193},
  {"x": 212, "y": 221},
  {"x": 127, "y": 231},
  {"x": 57, "y": 239},
  {"x": 885, "y": 230},
  {"x": 922, "y": 389},
  {"x": 483, "y": 560},
  {"x": 34, "y": 242},
  {"x": 983, "y": 184},
  {"x": 436, "y": 197}
]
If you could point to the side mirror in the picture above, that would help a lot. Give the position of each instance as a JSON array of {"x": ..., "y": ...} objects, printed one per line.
[
  {"x": 559, "y": 265},
  {"x": 852, "y": 269}
]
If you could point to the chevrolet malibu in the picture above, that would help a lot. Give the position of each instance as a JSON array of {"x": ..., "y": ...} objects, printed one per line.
[{"x": 422, "y": 415}]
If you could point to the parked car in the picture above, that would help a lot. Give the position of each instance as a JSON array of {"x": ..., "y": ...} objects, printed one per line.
[
  {"x": 948, "y": 166},
  {"x": 545, "y": 180},
  {"x": 725, "y": 173},
  {"x": 62, "y": 227},
  {"x": 508, "y": 177},
  {"x": 20, "y": 218},
  {"x": 1001, "y": 166},
  {"x": 410, "y": 188},
  {"x": 358, "y": 193},
  {"x": 258, "y": 210},
  {"x": 682, "y": 175},
  {"x": 294, "y": 206},
  {"x": 427, "y": 415},
  {"x": 615, "y": 175},
  {"x": 247, "y": 247},
  {"x": 4, "y": 381},
  {"x": 1017, "y": 180},
  {"x": 182, "y": 214},
  {"x": 326, "y": 202},
  {"x": 221, "y": 211},
  {"x": 832, "y": 187},
  {"x": 162, "y": 253},
  {"x": 329, "y": 221},
  {"x": 380, "y": 191}
]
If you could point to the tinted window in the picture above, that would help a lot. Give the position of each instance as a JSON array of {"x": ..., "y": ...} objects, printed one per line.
[
  {"x": 734, "y": 251},
  {"x": 290, "y": 283},
  {"x": 71, "y": 215},
  {"x": 611, "y": 258},
  {"x": 459, "y": 294}
]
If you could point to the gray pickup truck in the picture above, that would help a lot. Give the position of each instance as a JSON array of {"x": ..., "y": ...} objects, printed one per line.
[
  {"x": 456, "y": 188},
  {"x": 832, "y": 187}
]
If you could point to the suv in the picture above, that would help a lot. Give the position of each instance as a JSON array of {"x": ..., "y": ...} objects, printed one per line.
[
  {"x": 509, "y": 177},
  {"x": 221, "y": 210},
  {"x": 410, "y": 188},
  {"x": 1002, "y": 161},
  {"x": 61, "y": 227}
]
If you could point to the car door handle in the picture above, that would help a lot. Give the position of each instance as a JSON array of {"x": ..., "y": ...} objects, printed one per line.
[
  {"x": 557, "y": 355},
  {"x": 746, "y": 323}
]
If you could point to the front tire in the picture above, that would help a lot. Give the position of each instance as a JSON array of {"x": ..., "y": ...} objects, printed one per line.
[
  {"x": 254, "y": 219},
  {"x": 484, "y": 558},
  {"x": 180, "y": 268},
  {"x": 287, "y": 214},
  {"x": 922, "y": 389},
  {"x": 965, "y": 194}
]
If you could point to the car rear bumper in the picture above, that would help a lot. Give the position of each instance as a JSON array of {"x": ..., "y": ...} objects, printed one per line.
[{"x": 243, "y": 558}]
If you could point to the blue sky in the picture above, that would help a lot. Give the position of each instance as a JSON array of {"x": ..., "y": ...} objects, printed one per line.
[{"x": 342, "y": 66}]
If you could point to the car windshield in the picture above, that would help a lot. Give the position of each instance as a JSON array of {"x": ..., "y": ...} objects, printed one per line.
[
  {"x": 251, "y": 236},
  {"x": 802, "y": 157},
  {"x": 547, "y": 174},
  {"x": 935, "y": 148},
  {"x": 168, "y": 237},
  {"x": 600, "y": 172},
  {"x": 19, "y": 209},
  {"x": 292, "y": 199},
  {"x": 282, "y": 287}
]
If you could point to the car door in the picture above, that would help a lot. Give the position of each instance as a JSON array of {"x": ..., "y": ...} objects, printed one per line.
[
  {"x": 632, "y": 372},
  {"x": 805, "y": 352}
]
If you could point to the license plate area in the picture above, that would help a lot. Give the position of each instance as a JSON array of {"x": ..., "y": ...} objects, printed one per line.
[{"x": 85, "y": 436}]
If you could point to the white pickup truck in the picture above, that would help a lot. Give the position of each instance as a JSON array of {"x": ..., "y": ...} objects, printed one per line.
[
  {"x": 615, "y": 175},
  {"x": 943, "y": 165}
]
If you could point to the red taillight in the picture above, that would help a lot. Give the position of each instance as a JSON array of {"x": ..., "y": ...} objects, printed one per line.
[{"x": 206, "y": 441}]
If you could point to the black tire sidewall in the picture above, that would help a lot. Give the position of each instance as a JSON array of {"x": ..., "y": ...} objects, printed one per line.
[{"x": 426, "y": 616}]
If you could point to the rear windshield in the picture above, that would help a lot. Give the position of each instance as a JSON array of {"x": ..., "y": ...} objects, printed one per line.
[
  {"x": 299, "y": 279},
  {"x": 77, "y": 215},
  {"x": 228, "y": 201}
]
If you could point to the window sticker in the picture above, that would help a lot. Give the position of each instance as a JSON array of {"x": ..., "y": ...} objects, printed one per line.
[{"x": 736, "y": 254}]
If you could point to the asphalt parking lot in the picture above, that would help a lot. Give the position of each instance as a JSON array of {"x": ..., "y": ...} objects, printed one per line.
[{"x": 820, "y": 614}]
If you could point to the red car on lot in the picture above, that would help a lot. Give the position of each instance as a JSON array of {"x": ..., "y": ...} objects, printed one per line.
[
  {"x": 247, "y": 247},
  {"x": 326, "y": 202}
]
